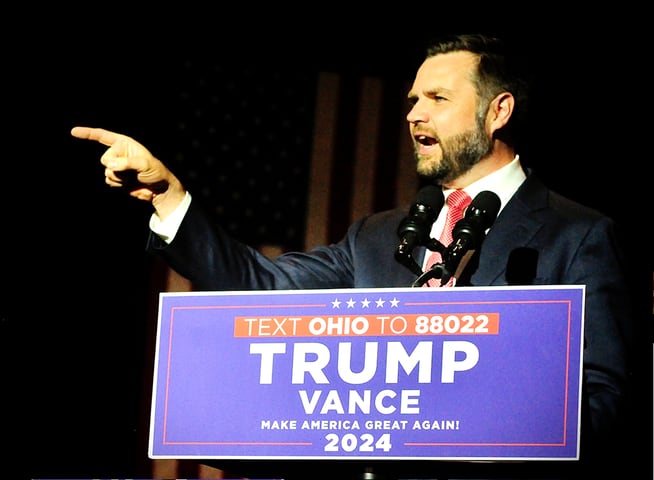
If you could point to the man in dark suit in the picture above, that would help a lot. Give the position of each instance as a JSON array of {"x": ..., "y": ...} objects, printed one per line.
[{"x": 464, "y": 120}]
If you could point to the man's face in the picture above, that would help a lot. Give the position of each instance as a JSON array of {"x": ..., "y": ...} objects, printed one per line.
[{"x": 448, "y": 136}]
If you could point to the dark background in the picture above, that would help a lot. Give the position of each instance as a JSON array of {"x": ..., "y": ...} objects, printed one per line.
[{"x": 75, "y": 351}]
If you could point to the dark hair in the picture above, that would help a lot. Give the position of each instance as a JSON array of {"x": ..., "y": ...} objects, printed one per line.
[{"x": 500, "y": 69}]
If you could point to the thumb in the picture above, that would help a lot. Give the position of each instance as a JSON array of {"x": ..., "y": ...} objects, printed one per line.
[{"x": 126, "y": 154}]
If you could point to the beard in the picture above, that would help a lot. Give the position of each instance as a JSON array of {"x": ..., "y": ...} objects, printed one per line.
[{"x": 460, "y": 153}]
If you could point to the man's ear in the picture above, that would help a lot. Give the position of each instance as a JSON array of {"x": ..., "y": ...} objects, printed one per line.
[{"x": 500, "y": 111}]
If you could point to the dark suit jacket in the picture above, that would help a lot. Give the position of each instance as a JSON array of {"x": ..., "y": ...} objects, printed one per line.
[{"x": 539, "y": 238}]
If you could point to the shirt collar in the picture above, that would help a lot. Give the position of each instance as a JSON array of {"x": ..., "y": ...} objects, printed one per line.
[{"x": 504, "y": 182}]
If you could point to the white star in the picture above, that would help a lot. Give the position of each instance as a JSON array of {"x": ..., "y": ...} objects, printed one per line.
[
  {"x": 380, "y": 302},
  {"x": 350, "y": 303},
  {"x": 336, "y": 304},
  {"x": 365, "y": 302},
  {"x": 394, "y": 302}
]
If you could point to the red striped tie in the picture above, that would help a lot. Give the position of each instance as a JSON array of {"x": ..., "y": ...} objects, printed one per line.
[{"x": 457, "y": 202}]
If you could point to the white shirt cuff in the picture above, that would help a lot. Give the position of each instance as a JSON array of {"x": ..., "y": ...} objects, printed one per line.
[{"x": 167, "y": 229}]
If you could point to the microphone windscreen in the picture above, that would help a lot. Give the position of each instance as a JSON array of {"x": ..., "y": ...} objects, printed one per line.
[
  {"x": 487, "y": 204},
  {"x": 431, "y": 196}
]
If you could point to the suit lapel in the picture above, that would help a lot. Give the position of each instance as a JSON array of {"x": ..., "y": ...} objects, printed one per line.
[{"x": 514, "y": 227}]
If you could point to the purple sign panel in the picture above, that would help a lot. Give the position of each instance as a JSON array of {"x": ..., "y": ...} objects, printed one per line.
[{"x": 473, "y": 373}]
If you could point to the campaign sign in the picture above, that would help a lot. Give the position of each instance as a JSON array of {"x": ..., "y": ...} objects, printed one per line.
[{"x": 472, "y": 373}]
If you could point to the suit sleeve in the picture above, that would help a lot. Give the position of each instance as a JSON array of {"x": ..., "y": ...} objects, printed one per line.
[
  {"x": 212, "y": 260},
  {"x": 609, "y": 315}
]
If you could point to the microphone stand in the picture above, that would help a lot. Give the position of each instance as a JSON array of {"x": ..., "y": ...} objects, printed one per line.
[
  {"x": 369, "y": 474},
  {"x": 437, "y": 270},
  {"x": 441, "y": 270}
]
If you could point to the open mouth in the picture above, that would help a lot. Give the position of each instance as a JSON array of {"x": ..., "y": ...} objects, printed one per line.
[
  {"x": 426, "y": 143},
  {"x": 425, "y": 140}
]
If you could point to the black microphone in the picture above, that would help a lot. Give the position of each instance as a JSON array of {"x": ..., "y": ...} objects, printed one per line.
[
  {"x": 469, "y": 232},
  {"x": 415, "y": 229}
]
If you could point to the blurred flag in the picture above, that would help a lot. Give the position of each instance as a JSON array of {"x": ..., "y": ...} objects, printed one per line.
[{"x": 287, "y": 160}]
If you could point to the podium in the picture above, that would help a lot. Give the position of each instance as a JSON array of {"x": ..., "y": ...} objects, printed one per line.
[{"x": 369, "y": 383}]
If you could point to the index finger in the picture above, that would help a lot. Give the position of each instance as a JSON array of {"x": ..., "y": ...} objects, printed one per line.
[{"x": 100, "y": 135}]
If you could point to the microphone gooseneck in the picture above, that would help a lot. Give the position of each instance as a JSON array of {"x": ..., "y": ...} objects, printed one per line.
[{"x": 415, "y": 229}]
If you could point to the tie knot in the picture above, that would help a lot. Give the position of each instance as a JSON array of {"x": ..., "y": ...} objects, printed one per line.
[{"x": 458, "y": 200}]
